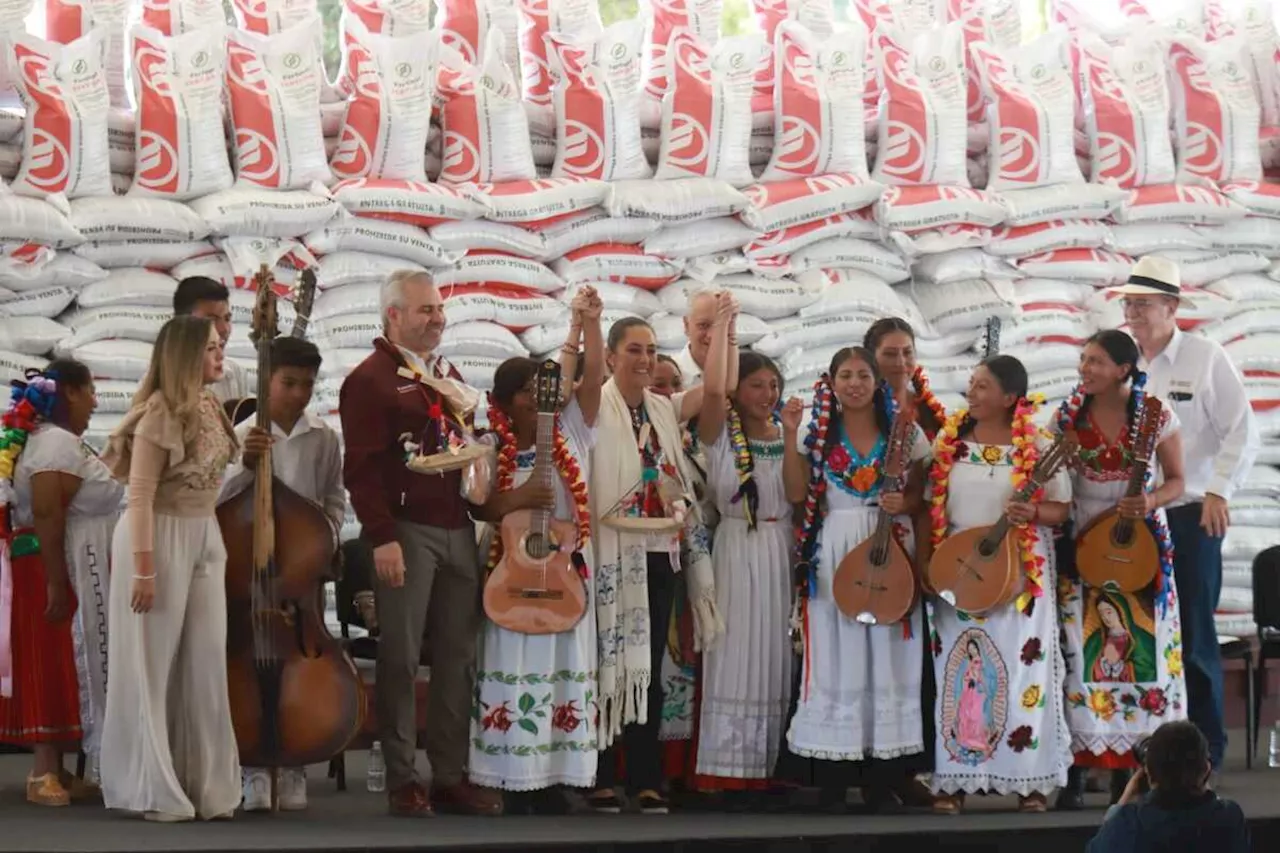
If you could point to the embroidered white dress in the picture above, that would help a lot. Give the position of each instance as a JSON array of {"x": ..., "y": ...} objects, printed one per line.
[
  {"x": 91, "y": 521},
  {"x": 534, "y": 721},
  {"x": 1123, "y": 650},
  {"x": 860, "y": 688},
  {"x": 1000, "y": 721},
  {"x": 746, "y": 679}
]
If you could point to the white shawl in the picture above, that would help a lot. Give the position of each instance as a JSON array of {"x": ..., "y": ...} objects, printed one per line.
[{"x": 622, "y": 588}]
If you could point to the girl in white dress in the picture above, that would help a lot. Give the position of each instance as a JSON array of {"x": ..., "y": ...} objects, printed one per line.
[
  {"x": 62, "y": 509},
  {"x": 999, "y": 716},
  {"x": 534, "y": 725},
  {"x": 858, "y": 717},
  {"x": 746, "y": 679},
  {"x": 169, "y": 750},
  {"x": 1123, "y": 650}
]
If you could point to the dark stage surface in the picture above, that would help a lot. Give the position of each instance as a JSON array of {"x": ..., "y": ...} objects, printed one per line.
[{"x": 357, "y": 821}]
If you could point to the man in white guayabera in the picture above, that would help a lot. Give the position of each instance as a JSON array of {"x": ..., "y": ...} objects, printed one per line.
[{"x": 1220, "y": 439}]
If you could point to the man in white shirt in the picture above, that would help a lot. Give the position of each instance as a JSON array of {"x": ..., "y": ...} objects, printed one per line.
[
  {"x": 205, "y": 297},
  {"x": 1220, "y": 440},
  {"x": 306, "y": 454}
]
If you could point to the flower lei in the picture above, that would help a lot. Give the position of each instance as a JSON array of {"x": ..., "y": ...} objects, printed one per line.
[
  {"x": 926, "y": 397},
  {"x": 1068, "y": 413},
  {"x": 30, "y": 403},
  {"x": 1025, "y": 456},
  {"x": 567, "y": 466},
  {"x": 744, "y": 464}
]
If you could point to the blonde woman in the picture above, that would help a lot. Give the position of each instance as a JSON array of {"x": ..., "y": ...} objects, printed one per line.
[{"x": 169, "y": 750}]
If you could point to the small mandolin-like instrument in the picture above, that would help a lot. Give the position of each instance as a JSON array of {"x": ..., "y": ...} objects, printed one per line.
[
  {"x": 979, "y": 570},
  {"x": 535, "y": 588},
  {"x": 1122, "y": 553},
  {"x": 876, "y": 582}
]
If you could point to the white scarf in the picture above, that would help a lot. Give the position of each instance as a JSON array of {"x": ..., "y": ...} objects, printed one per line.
[{"x": 622, "y": 587}]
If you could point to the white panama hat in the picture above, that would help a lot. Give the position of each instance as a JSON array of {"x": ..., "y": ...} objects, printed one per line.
[{"x": 1154, "y": 276}]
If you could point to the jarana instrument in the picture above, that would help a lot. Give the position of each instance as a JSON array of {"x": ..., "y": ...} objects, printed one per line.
[
  {"x": 296, "y": 698},
  {"x": 304, "y": 297},
  {"x": 1122, "y": 553},
  {"x": 535, "y": 588},
  {"x": 876, "y": 583},
  {"x": 980, "y": 569}
]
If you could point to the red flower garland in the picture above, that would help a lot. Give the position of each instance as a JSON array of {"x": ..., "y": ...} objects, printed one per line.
[
  {"x": 924, "y": 395},
  {"x": 567, "y": 466}
]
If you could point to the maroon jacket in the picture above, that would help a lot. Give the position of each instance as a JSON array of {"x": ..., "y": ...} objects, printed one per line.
[{"x": 377, "y": 406}]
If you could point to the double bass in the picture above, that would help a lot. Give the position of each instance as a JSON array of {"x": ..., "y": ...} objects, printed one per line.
[
  {"x": 1122, "y": 553},
  {"x": 240, "y": 410},
  {"x": 296, "y": 698}
]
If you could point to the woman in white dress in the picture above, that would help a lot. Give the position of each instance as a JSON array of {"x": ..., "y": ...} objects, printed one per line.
[
  {"x": 168, "y": 749},
  {"x": 746, "y": 680},
  {"x": 534, "y": 725},
  {"x": 999, "y": 716},
  {"x": 62, "y": 509},
  {"x": 1123, "y": 650},
  {"x": 859, "y": 718}
]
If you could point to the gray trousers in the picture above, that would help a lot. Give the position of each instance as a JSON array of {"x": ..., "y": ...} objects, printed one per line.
[{"x": 441, "y": 583}]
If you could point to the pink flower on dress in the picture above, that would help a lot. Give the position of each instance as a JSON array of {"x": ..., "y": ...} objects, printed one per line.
[{"x": 838, "y": 459}]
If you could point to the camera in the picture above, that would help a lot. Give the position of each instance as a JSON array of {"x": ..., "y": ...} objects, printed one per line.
[{"x": 1140, "y": 751}]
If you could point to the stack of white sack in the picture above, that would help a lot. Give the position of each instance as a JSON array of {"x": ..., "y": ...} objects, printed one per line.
[{"x": 1255, "y": 526}]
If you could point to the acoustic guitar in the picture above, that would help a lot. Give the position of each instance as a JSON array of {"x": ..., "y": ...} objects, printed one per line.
[
  {"x": 535, "y": 588},
  {"x": 1122, "y": 553},
  {"x": 875, "y": 583},
  {"x": 979, "y": 570},
  {"x": 304, "y": 296}
]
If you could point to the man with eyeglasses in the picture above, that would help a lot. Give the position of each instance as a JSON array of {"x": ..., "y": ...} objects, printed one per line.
[{"x": 1220, "y": 440}]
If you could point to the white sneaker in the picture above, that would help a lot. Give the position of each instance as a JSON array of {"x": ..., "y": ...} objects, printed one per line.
[
  {"x": 257, "y": 789},
  {"x": 293, "y": 789}
]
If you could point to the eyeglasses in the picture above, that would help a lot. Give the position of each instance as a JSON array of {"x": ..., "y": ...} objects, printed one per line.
[{"x": 1136, "y": 306}]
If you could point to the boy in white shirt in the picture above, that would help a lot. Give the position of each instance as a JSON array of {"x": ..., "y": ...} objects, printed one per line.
[{"x": 306, "y": 454}]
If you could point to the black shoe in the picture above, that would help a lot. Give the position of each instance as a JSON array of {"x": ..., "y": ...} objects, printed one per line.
[
  {"x": 1071, "y": 798},
  {"x": 1119, "y": 781},
  {"x": 605, "y": 802},
  {"x": 651, "y": 802}
]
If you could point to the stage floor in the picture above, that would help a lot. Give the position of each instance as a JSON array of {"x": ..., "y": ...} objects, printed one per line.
[{"x": 357, "y": 821}]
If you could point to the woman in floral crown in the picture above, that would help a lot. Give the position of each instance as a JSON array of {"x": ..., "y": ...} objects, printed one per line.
[
  {"x": 1123, "y": 650},
  {"x": 858, "y": 719},
  {"x": 533, "y": 728},
  {"x": 746, "y": 680},
  {"x": 999, "y": 716},
  {"x": 893, "y": 342},
  {"x": 61, "y": 505}
]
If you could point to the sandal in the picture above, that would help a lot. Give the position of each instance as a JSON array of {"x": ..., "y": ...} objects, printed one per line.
[
  {"x": 948, "y": 803},
  {"x": 1033, "y": 803},
  {"x": 46, "y": 790}
]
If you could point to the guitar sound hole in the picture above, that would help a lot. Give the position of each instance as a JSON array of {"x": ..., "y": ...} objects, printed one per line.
[
  {"x": 879, "y": 556},
  {"x": 1122, "y": 536},
  {"x": 537, "y": 546},
  {"x": 986, "y": 549}
]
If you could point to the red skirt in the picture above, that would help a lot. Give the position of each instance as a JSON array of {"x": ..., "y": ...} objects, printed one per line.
[{"x": 45, "y": 705}]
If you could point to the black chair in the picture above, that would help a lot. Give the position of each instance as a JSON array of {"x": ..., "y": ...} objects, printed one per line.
[{"x": 1266, "y": 613}]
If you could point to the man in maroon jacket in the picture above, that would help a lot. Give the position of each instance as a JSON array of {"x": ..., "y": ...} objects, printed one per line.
[{"x": 424, "y": 550}]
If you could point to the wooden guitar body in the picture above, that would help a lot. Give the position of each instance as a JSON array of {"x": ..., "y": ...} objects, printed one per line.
[
  {"x": 532, "y": 595},
  {"x": 970, "y": 580},
  {"x": 1116, "y": 553},
  {"x": 876, "y": 585}
]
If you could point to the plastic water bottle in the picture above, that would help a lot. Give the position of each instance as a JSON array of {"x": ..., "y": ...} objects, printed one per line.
[
  {"x": 1273, "y": 753},
  {"x": 375, "y": 774}
]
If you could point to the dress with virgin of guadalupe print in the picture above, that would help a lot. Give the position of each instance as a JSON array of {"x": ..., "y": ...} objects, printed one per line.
[
  {"x": 1123, "y": 650},
  {"x": 999, "y": 712},
  {"x": 533, "y": 722}
]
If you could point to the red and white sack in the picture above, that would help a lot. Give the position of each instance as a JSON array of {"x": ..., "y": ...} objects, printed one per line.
[
  {"x": 246, "y": 211},
  {"x": 178, "y": 83},
  {"x": 841, "y": 254},
  {"x": 112, "y": 218},
  {"x": 66, "y": 21},
  {"x": 393, "y": 239},
  {"x": 935, "y": 241},
  {"x": 1050, "y": 292},
  {"x": 347, "y": 269},
  {"x": 41, "y": 221},
  {"x": 388, "y": 17},
  {"x": 687, "y": 200},
  {"x": 11, "y": 119},
  {"x": 1019, "y": 240},
  {"x": 1256, "y": 24},
  {"x": 145, "y": 252},
  {"x": 1257, "y": 198},
  {"x": 699, "y": 239},
  {"x": 995, "y": 22},
  {"x": 537, "y": 200},
  {"x": 782, "y": 204},
  {"x": 961, "y": 306},
  {"x": 1216, "y": 113},
  {"x": 1192, "y": 205},
  {"x": 236, "y": 268},
  {"x": 465, "y": 26},
  {"x": 21, "y": 271},
  {"x": 499, "y": 268},
  {"x": 922, "y": 136},
  {"x": 706, "y": 112},
  {"x": 618, "y": 263},
  {"x": 1201, "y": 268},
  {"x": 707, "y": 268},
  {"x": 850, "y": 290},
  {"x": 457, "y": 238},
  {"x": 1126, "y": 111},
  {"x": 266, "y": 17},
  {"x": 135, "y": 323},
  {"x": 515, "y": 308},
  {"x": 1076, "y": 200},
  {"x": 64, "y": 144},
  {"x": 816, "y": 17},
  {"x": 568, "y": 19},
  {"x": 1258, "y": 234},
  {"x": 596, "y": 95},
  {"x": 765, "y": 298},
  {"x": 130, "y": 287},
  {"x": 1047, "y": 324},
  {"x": 919, "y": 208},
  {"x": 486, "y": 131},
  {"x": 273, "y": 89},
  {"x": 1031, "y": 113},
  {"x": 13, "y": 14},
  {"x": 962, "y": 264},
  {"x": 47, "y": 302},
  {"x": 701, "y": 18},
  {"x": 1095, "y": 266},
  {"x": 384, "y": 132},
  {"x": 619, "y": 297},
  {"x": 568, "y": 233},
  {"x": 909, "y": 18},
  {"x": 1153, "y": 238},
  {"x": 480, "y": 339},
  {"x": 178, "y": 17},
  {"x": 814, "y": 130},
  {"x": 32, "y": 336},
  {"x": 414, "y": 202},
  {"x": 790, "y": 240}
]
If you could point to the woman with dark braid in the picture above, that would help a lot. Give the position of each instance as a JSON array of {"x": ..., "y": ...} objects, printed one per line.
[{"x": 893, "y": 342}]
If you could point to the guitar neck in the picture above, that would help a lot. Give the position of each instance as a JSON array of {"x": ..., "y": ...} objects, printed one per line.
[
  {"x": 1137, "y": 479},
  {"x": 884, "y": 521},
  {"x": 544, "y": 465}
]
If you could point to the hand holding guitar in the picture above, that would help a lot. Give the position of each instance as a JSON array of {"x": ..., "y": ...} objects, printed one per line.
[
  {"x": 534, "y": 495},
  {"x": 1138, "y": 506},
  {"x": 256, "y": 443},
  {"x": 893, "y": 502},
  {"x": 1021, "y": 513}
]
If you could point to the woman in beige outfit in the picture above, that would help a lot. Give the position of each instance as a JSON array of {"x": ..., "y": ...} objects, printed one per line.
[{"x": 169, "y": 750}]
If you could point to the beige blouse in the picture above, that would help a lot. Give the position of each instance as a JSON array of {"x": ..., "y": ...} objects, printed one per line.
[{"x": 172, "y": 467}]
